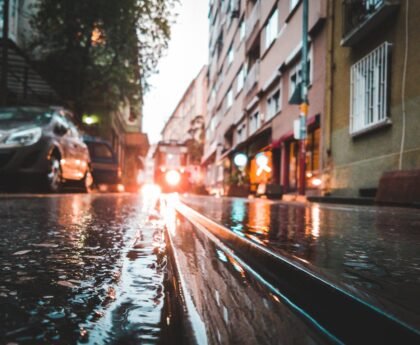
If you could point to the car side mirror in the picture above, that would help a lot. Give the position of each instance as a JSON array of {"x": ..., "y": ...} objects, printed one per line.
[{"x": 60, "y": 129}]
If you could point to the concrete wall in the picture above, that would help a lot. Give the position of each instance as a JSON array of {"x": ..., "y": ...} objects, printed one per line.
[{"x": 358, "y": 162}]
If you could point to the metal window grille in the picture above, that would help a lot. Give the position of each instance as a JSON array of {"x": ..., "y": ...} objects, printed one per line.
[{"x": 369, "y": 90}]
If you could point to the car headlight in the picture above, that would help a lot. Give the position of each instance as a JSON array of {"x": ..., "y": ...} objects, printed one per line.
[
  {"x": 173, "y": 177},
  {"x": 24, "y": 138}
]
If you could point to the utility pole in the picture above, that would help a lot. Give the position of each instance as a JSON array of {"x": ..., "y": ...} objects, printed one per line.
[
  {"x": 303, "y": 113},
  {"x": 4, "y": 60}
]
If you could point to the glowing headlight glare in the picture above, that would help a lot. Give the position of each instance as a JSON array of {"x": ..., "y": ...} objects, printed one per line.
[
  {"x": 151, "y": 189},
  {"x": 24, "y": 138},
  {"x": 316, "y": 182},
  {"x": 173, "y": 177}
]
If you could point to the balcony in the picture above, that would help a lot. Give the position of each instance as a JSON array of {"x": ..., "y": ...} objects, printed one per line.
[
  {"x": 360, "y": 17},
  {"x": 252, "y": 77}
]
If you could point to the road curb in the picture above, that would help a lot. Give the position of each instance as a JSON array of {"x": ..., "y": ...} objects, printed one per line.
[{"x": 347, "y": 317}]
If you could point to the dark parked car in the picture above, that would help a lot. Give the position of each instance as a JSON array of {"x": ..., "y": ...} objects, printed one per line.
[
  {"x": 104, "y": 162},
  {"x": 45, "y": 143}
]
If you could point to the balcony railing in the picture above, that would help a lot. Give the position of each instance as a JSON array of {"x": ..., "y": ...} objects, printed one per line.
[
  {"x": 252, "y": 19},
  {"x": 361, "y": 16},
  {"x": 252, "y": 77}
]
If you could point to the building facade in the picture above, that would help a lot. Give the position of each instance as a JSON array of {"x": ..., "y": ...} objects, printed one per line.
[
  {"x": 373, "y": 93},
  {"x": 186, "y": 124},
  {"x": 21, "y": 84},
  {"x": 186, "y": 121},
  {"x": 254, "y": 69},
  {"x": 130, "y": 144}
]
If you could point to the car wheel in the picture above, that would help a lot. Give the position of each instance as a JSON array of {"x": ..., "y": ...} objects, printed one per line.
[
  {"x": 54, "y": 175},
  {"x": 87, "y": 182}
]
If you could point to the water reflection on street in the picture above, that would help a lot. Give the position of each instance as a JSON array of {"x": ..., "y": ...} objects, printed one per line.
[
  {"x": 370, "y": 250},
  {"x": 85, "y": 268},
  {"x": 226, "y": 303}
]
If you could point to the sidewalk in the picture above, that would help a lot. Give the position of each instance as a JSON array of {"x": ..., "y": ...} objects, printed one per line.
[{"x": 368, "y": 250}]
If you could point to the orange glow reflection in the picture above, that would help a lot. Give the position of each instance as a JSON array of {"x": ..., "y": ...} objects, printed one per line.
[{"x": 259, "y": 217}]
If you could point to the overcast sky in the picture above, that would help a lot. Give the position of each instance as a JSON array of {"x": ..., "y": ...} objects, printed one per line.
[{"x": 186, "y": 54}]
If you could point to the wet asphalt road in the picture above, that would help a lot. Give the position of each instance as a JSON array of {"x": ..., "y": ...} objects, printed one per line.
[{"x": 80, "y": 268}]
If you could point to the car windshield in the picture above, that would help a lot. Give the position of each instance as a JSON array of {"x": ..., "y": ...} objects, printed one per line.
[
  {"x": 100, "y": 151},
  {"x": 37, "y": 116}
]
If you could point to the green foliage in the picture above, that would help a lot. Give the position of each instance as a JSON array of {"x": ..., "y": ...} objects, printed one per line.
[{"x": 99, "y": 53}]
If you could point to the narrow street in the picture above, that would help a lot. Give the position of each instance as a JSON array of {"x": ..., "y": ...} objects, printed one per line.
[{"x": 133, "y": 269}]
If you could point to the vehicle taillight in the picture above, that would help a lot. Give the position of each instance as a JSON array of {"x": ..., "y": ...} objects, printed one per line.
[{"x": 173, "y": 177}]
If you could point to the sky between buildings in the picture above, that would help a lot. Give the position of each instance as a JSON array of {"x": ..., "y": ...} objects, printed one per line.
[{"x": 187, "y": 53}]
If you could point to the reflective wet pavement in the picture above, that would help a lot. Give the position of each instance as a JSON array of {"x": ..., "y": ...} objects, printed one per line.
[
  {"x": 80, "y": 268},
  {"x": 371, "y": 251},
  {"x": 231, "y": 305}
]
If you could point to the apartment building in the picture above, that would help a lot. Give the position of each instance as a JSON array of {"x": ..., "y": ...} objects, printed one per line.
[
  {"x": 186, "y": 124},
  {"x": 186, "y": 121},
  {"x": 24, "y": 85},
  {"x": 374, "y": 93},
  {"x": 254, "y": 69}
]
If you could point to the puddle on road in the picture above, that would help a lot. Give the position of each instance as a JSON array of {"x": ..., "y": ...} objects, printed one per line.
[{"x": 80, "y": 268}]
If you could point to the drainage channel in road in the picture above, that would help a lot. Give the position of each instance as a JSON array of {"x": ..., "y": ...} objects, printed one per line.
[{"x": 326, "y": 303}]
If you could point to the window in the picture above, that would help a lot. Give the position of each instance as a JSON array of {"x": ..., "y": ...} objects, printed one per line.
[
  {"x": 293, "y": 4},
  {"x": 100, "y": 151},
  {"x": 230, "y": 55},
  {"x": 240, "y": 80},
  {"x": 241, "y": 132},
  {"x": 273, "y": 104},
  {"x": 254, "y": 122},
  {"x": 296, "y": 75},
  {"x": 242, "y": 30},
  {"x": 369, "y": 90},
  {"x": 271, "y": 29},
  {"x": 229, "y": 98}
]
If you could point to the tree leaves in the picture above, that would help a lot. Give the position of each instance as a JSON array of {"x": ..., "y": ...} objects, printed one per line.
[{"x": 99, "y": 53}]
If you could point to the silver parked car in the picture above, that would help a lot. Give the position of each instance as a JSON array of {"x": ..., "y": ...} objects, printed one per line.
[{"x": 42, "y": 143}]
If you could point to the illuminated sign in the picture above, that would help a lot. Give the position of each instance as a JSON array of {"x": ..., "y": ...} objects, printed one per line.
[
  {"x": 262, "y": 163},
  {"x": 240, "y": 160}
]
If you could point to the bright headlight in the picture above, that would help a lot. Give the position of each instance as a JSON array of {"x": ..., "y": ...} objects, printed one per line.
[
  {"x": 24, "y": 138},
  {"x": 173, "y": 177}
]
